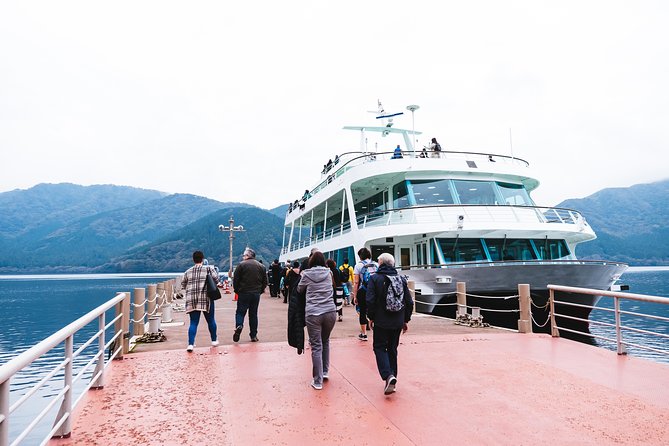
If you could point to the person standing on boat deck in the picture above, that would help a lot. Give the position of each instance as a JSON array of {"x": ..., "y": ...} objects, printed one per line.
[
  {"x": 292, "y": 277},
  {"x": 363, "y": 269},
  {"x": 197, "y": 301},
  {"x": 397, "y": 154},
  {"x": 275, "y": 271},
  {"x": 320, "y": 315},
  {"x": 338, "y": 288},
  {"x": 435, "y": 148},
  {"x": 347, "y": 273},
  {"x": 388, "y": 317},
  {"x": 249, "y": 281}
]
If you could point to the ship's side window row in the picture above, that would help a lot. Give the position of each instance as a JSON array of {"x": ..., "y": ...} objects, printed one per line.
[{"x": 495, "y": 250}]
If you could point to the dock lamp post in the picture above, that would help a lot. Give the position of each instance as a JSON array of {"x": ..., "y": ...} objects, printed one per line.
[
  {"x": 412, "y": 109},
  {"x": 231, "y": 228}
]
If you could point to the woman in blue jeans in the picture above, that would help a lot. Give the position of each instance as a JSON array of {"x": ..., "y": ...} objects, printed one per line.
[
  {"x": 320, "y": 315},
  {"x": 197, "y": 301}
]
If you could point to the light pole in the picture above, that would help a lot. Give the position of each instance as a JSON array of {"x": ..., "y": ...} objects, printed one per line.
[
  {"x": 231, "y": 229},
  {"x": 413, "y": 108}
]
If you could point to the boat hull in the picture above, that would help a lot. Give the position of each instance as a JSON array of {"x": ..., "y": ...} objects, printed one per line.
[{"x": 494, "y": 287}]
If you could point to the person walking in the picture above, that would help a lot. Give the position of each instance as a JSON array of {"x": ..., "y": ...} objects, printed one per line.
[
  {"x": 292, "y": 277},
  {"x": 338, "y": 289},
  {"x": 249, "y": 281},
  {"x": 197, "y": 302},
  {"x": 346, "y": 274},
  {"x": 275, "y": 273},
  {"x": 361, "y": 274},
  {"x": 320, "y": 314},
  {"x": 389, "y": 308}
]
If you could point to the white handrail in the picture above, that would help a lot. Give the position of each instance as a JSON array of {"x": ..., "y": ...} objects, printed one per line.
[{"x": 23, "y": 360}]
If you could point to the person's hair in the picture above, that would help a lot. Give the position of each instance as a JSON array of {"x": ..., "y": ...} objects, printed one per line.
[
  {"x": 335, "y": 271},
  {"x": 316, "y": 259},
  {"x": 386, "y": 259},
  {"x": 296, "y": 264},
  {"x": 346, "y": 260},
  {"x": 251, "y": 254},
  {"x": 434, "y": 139},
  {"x": 198, "y": 256},
  {"x": 364, "y": 253}
]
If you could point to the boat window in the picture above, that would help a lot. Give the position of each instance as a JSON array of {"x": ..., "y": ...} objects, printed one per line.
[
  {"x": 334, "y": 209},
  {"x": 551, "y": 249},
  {"x": 370, "y": 204},
  {"x": 428, "y": 192},
  {"x": 510, "y": 249},
  {"x": 462, "y": 250},
  {"x": 475, "y": 192},
  {"x": 319, "y": 219},
  {"x": 515, "y": 194},
  {"x": 401, "y": 195}
]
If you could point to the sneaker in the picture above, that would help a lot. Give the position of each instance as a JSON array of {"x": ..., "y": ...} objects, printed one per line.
[
  {"x": 214, "y": 343},
  {"x": 340, "y": 319},
  {"x": 238, "y": 331},
  {"x": 362, "y": 337},
  {"x": 254, "y": 339},
  {"x": 391, "y": 381},
  {"x": 189, "y": 348},
  {"x": 325, "y": 376},
  {"x": 316, "y": 386}
]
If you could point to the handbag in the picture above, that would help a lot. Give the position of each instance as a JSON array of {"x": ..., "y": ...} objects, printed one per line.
[{"x": 210, "y": 287}]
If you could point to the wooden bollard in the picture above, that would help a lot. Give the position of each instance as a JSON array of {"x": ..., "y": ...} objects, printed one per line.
[
  {"x": 151, "y": 299},
  {"x": 525, "y": 321},
  {"x": 461, "y": 288},
  {"x": 139, "y": 297},
  {"x": 160, "y": 292},
  {"x": 169, "y": 288}
]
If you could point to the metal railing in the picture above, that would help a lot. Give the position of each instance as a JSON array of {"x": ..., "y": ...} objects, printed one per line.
[
  {"x": 64, "y": 370},
  {"x": 617, "y": 324}
]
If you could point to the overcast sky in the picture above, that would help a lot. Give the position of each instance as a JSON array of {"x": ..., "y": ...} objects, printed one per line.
[{"x": 244, "y": 101}]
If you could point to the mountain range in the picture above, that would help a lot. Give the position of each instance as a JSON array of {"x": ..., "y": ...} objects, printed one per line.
[{"x": 67, "y": 228}]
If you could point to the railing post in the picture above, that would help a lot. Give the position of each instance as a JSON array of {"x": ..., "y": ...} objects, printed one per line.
[
  {"x": 461, "y": 288},
  {"x": 620, "y": 348},
  {"x": 4, "y": 413},
  {"x": 125, "y": 307},
  {"x": 554, "y": 328},
  {"x": 138, "y": 312},
  {"x": 118, "y": 327},
  {"x": 160, "y": 291},
  {"x": 525, "y": 321},
  {"x": 65, "y": 410},
  {"x": 99, "y": 382}
]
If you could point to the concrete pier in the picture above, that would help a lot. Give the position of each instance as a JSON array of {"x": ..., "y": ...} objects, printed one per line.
[{"x": 456, "y": 385}]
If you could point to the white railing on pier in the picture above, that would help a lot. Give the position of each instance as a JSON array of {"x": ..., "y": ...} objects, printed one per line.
[
  {"x": 618, "y": 325},
  {"x": 62, "y": 426}
]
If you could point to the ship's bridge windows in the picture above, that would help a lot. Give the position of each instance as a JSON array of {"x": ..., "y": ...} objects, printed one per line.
[
  {"x": 548, "y": 249},
  {"x": 431, "y": 192},
  {"x": 510, "y": 249},
  {"x": 514, "y": 194},
  {"x": 462, "y": 249},
  {"x": 475, "y": 192}
]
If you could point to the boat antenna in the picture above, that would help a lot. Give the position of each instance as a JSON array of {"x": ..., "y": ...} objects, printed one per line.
[
  {"x": 511, "y": 143},
  {"x": 412, "y": 108}
]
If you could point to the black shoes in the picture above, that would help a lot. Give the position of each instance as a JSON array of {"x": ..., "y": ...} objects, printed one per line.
[
  {"x": 254, "y": 339},
  {"x": 238, "y": 331},
  {"x": 391, "y": 381}
]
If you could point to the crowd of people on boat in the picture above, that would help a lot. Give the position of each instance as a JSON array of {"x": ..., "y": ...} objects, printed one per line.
[{"x": 316, "y": 291}]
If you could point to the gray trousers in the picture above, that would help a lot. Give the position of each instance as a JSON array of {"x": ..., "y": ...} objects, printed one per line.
[{"x": 319, "y": 329}]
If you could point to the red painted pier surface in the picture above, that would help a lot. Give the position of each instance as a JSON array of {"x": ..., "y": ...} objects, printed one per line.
[{"x": 455, "y": 386}]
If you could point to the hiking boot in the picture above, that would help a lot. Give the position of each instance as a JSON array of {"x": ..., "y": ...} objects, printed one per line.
[
  {"x": 391, "y": 381},
  {"x": 238, "y": 331}
]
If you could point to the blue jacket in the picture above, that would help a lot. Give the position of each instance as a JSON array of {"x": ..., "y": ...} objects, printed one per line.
[{"x": 376, "y": 301}]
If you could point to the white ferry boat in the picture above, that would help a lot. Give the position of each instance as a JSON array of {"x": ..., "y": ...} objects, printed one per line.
[{"x": 448, "y": 217}]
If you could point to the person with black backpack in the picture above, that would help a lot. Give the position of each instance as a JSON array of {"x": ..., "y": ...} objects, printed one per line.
[
  {"x": 361, "y": 273},
  {"x": 389, "y": 308}
]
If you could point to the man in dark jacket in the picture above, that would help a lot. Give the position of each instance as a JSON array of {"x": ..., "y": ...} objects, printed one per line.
[
  {"x": 249, "y": 281},
  {"x": 388, "y": 317},
  {"x": 275, "y": 278}
]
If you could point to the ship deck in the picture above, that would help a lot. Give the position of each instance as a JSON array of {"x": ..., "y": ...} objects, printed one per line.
[{"x": 456, "y": 385}]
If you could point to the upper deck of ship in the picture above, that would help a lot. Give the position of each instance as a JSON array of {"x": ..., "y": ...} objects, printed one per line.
[{"x": 456, "y": 385}]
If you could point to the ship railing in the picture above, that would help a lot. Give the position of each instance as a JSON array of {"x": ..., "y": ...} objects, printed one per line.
[
  {"x": 350, "y": 160},
  {"x": 621, "y": 328},
  {"x": 63, "y": 371},
  {"x": 456, "y": 216},
  {"x": 328, "y": 234}
]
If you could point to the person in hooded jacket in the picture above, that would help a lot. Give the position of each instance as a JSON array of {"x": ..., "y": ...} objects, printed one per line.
[
  {"x": 387, "y": 325},
  {"x": 320, "y": 315}
]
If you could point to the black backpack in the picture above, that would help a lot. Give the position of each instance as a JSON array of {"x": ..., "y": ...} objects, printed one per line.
[{"x": 344, "y": 274}]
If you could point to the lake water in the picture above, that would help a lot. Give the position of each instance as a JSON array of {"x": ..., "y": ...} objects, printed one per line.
[{"x": 34, "y": 307}]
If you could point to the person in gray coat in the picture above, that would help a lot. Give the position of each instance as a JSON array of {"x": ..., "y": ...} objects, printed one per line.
[{"x": 320, "y": 315}]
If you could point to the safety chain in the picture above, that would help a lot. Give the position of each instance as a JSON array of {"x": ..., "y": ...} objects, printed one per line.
[
  {"x": 494, "y": 297},
  {"x": 548, "y": 319},
  {"x": 543, "y": 307},
  {"x": 149, "y": 338},
  {"x": 436, "y": 305}
]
